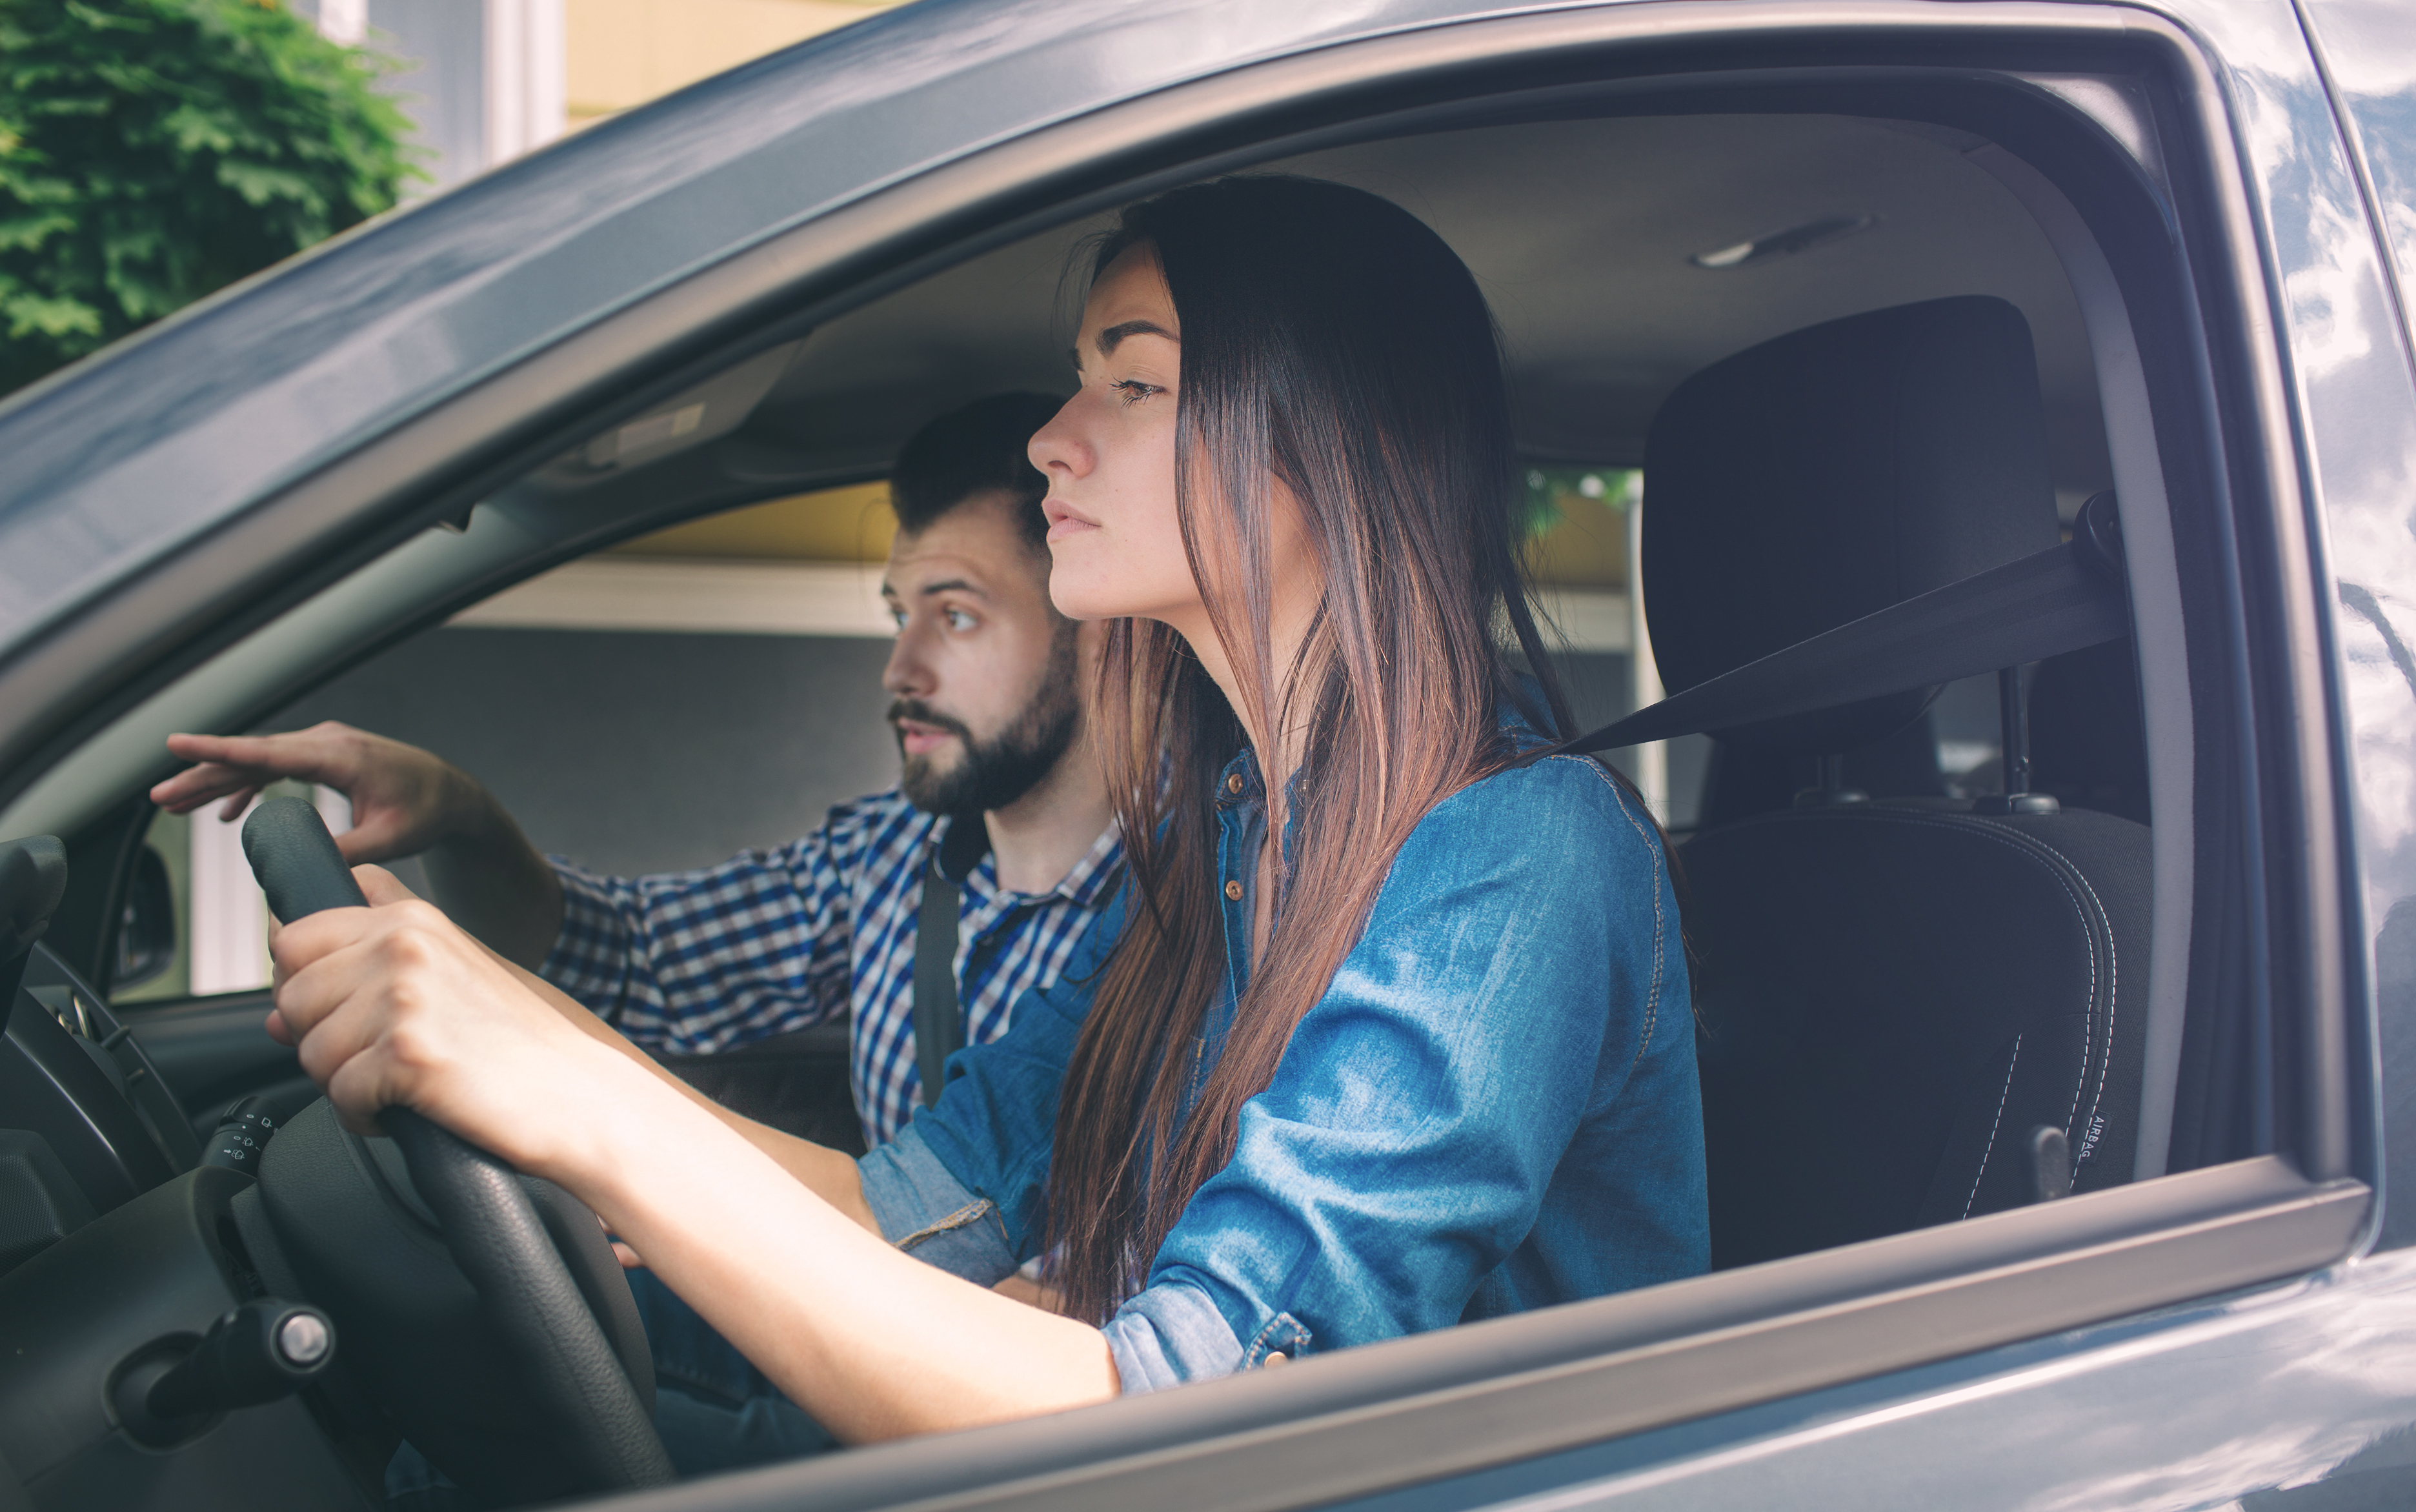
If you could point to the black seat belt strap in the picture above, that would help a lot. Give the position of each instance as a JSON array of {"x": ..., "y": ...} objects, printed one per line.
[
  {"x": 939, "y": 1017},
  {"x": 2065, "y": 599}
]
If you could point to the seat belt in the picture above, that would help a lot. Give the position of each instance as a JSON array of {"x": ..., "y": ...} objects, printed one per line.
[
  {"x": 2065, "y": 599},
  {"x": 939, "y": 1017}
]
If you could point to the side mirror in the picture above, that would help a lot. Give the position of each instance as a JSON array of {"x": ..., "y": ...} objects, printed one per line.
[{"x": 147, "y": 929}]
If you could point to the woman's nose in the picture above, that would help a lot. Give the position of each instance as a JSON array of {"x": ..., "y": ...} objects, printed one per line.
[{"x": 1058, "y": 448}]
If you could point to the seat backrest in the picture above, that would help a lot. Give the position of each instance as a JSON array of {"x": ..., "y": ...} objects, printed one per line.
[{"x": 1894, "y": 998}]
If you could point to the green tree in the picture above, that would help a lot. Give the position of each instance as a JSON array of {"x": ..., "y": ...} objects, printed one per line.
[{"x": 152, "y": 151}]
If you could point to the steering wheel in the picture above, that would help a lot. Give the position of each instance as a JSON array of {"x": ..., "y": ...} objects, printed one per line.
[{"x": 481, "y": 1309}]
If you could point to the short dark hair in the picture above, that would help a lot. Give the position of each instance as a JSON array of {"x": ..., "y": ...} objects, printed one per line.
[{"x": 980, "y": 448}]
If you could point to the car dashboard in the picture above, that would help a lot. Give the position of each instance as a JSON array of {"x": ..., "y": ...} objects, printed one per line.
[{"x": 121, "y": 1247}]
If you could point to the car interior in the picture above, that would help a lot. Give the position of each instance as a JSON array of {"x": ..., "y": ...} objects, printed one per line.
[{"x": 1858, "y": 360}]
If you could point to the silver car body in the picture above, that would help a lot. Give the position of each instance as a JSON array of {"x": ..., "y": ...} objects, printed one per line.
[{"x": 302, "y": 422}]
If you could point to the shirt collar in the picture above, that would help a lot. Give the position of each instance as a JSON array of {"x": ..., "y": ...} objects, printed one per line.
[
  {"x": 1241, "y": 784},
  {"x": 1084, "y": 885}
]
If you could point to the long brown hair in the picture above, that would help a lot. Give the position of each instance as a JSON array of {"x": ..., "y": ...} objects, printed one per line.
[{"x": 1332, "y": 342}]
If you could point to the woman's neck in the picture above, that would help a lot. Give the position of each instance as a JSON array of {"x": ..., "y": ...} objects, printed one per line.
[{"x": 1279, "y": 751}]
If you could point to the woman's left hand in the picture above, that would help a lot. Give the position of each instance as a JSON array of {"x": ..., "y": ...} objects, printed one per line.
[{"x": 393, "y": 1006}]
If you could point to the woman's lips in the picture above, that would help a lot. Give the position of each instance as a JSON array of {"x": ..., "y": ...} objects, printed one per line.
[{"x": 1063, "y": 521}]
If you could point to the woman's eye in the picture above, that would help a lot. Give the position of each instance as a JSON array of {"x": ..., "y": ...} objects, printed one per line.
[
  {"x": 960, "y": 620},
  {"x": 897, "y": 617},
  {"x": 1133, "y": 391}
]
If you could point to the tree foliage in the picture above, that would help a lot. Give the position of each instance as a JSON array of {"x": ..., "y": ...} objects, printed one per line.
[
  {"x": 1550, "y": 488},
  {"x": 152, "y": 151}
]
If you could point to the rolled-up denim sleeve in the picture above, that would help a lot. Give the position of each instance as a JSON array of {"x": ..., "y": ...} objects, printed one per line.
[
  {"x": 1509, "y": 972},
  {"x": 963, "y": 1184},
  {"x": 927, "y": 1212}
]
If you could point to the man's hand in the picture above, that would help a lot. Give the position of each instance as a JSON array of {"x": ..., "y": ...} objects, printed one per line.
[{"x": 404, "y": 800}]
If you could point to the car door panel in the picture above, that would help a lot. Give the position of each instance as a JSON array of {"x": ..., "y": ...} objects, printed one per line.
[
  {"x": 2195, "y": 1407},
  {"x": 2350, "y": 326}
]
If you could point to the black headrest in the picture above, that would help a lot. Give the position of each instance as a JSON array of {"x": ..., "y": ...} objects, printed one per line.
[{"x": 1828, "y": 474}]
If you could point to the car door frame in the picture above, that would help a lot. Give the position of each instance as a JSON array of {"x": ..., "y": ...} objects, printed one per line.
[{"x": 1418, "y": 1409}]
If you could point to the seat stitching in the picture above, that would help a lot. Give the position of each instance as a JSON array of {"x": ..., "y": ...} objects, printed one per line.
[
  {"x": 2089, "y": 1012},
  {"x": 2105, "y": 1057},
  {"x": 2113, "y": 977},
  {"x": 1652, "y": 997},
  {"x": 1991, "y": 1147}
]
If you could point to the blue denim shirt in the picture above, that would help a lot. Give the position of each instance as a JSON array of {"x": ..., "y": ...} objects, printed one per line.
[{"x": 1492, "y": 1109}]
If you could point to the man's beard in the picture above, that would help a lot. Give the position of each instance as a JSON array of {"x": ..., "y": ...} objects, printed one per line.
[{"x": 993, "y": 774}]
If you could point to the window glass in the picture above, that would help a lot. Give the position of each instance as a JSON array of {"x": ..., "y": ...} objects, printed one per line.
[{"x": 1582, "y": 524}]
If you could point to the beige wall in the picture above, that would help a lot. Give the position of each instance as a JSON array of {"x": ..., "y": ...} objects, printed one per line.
[{"x": 624, "y": 52}]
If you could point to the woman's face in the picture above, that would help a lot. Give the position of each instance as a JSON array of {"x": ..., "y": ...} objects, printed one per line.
[{"x": 1113, "y": 536}]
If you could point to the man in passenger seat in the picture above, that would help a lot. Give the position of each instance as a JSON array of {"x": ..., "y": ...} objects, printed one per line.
[{"x": 986, "y": 684}]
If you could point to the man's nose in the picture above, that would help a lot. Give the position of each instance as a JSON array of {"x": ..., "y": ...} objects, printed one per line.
[{"x": 908, "y": 674}]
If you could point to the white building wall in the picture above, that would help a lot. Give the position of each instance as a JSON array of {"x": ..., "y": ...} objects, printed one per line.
[{"x": 483, "y": 80}]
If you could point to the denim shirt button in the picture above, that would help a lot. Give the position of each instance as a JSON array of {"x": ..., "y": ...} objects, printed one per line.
[
  {"x": 1233, "y": 782},
  {"x": 1278, "y": 1357},
  {"x": 1233, "y": 891}
]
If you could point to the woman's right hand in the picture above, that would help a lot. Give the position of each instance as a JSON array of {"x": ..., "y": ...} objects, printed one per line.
[
  {"x": 393, "y": 1006},
  {"x": 404, "y": 799}
]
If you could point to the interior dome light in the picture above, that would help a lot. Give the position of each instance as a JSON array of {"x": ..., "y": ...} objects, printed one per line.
[{"x": 1785, "y": 243}]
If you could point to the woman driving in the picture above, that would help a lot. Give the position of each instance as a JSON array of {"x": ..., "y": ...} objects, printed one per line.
[{"x": 1389, "y": 1028}]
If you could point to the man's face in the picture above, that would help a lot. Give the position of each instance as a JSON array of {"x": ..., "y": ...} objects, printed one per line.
[{"x": 984, "y": 679}]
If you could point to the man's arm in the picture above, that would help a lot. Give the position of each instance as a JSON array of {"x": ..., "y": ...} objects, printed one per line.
[
  {"x": 490, "y": 880},
  {"x": 405, "y": 801}
]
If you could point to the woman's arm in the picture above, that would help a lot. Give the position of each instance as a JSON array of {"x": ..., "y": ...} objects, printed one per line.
[
  {"x": 873, "y": 1343},
  {"x": 392, "y": 1004},
  {"x": 831, "y": 1175},
  {"x": 1396, "y": 1170}
]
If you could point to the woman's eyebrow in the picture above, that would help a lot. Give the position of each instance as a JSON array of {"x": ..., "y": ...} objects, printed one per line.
[{"x": 1114, "y": 335}]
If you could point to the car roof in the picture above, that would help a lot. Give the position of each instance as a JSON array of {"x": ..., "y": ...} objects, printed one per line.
[{"x": 1582, "y": 232}]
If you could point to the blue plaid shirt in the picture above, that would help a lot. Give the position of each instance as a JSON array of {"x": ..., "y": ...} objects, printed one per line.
[{"x": 691, "y": 962}]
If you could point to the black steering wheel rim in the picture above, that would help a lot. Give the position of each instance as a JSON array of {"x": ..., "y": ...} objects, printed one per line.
[{"x": 337, "y": 1215}]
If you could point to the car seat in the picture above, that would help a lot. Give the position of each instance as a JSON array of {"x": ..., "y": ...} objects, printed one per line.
[
  {"x": 2088, "y": 742},
  {"x": 1742, "y": 778},
  {"x": 1911, "y": 1014}
]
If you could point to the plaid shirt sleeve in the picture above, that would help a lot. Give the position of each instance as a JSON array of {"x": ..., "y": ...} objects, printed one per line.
[{"x": 691, "y": 962}]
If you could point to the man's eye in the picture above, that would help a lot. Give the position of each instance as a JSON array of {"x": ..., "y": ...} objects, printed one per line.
[{"x": 960, "y": 620}]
